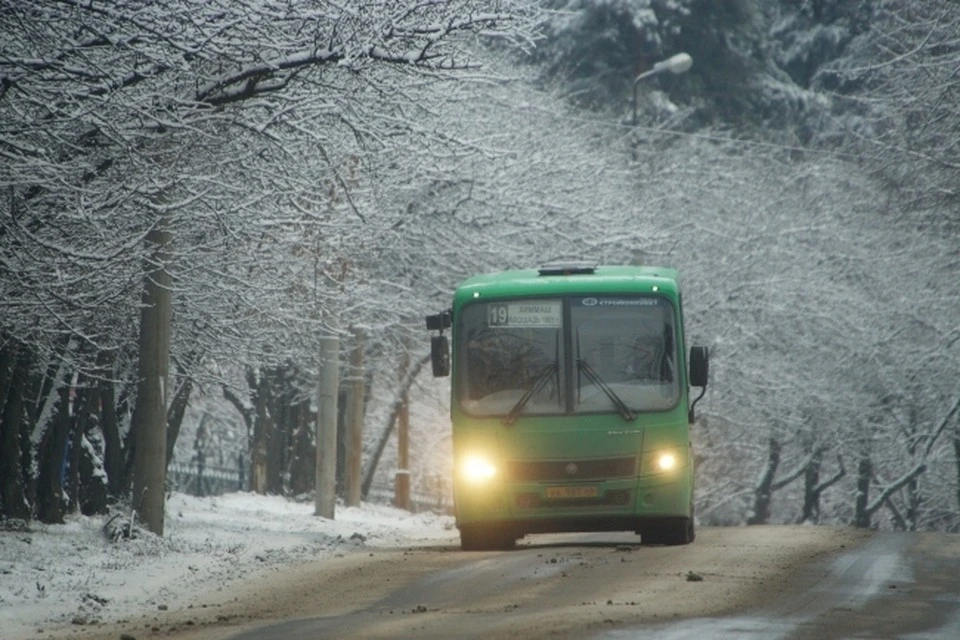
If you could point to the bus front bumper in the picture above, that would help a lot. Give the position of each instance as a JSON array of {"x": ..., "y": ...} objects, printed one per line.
[{"x": 611, "y": 505}]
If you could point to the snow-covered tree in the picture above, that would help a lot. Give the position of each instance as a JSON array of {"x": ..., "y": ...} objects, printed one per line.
[{"x": 141, "y": 137}]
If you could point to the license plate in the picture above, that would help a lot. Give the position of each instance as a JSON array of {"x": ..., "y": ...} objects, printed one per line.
[{"x": 572, "y": 492}]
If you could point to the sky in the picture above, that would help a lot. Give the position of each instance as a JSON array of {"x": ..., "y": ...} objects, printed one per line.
[{"x": 59, "y": 576}]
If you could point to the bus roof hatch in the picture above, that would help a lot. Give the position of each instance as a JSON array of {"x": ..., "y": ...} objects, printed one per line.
[{"x": 567, "y": 267}]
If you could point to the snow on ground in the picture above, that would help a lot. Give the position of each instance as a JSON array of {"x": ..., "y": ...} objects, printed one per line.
[{"x": 72, "y": 574}]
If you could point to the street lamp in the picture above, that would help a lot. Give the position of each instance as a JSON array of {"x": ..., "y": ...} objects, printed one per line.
[{"x": 675, "y": 64}]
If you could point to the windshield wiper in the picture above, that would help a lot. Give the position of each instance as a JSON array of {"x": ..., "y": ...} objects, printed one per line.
[
  {"x": 538, "y": 383},
  {"x": 625, "y": 411}
]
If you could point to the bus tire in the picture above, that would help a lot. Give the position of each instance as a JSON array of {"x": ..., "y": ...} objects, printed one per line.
[
  {"x": 680, "y": 531},
  {"x": 486, "y": 538},
  {"x": 672, "y": 532}
]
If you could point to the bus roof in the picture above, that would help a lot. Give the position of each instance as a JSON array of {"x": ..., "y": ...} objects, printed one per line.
[{"x": 591, "y": 280}]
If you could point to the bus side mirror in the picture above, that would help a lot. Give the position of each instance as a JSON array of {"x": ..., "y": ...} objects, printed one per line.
[
  {"x": 699, "y": 366},
  {"x": 439, "y": 345},
  {"x": 439, "y": 321},
  {"x": 699, "y": 373},
  {"x": 440, "y": 356}
]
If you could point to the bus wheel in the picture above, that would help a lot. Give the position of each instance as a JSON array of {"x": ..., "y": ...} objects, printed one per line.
[
  {"x": 486, "y": 538},
  {"x": 676, "y": 531}
]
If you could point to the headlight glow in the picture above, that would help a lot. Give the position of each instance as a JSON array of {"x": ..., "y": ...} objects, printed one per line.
[
  {"x": 477, "y": 469},
  {"x": 666, "y": 461}
]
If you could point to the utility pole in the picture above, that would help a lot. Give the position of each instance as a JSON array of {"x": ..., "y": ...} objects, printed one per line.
[
  {"x": 149, "y": 420},
  {"x": 355, "y": 422},
  {"x": 326, "y": 470},
  {"x": 402, "y": 481}
]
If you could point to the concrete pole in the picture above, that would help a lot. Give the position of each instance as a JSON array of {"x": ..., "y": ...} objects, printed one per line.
[
  {"x": 150, "y": 413},
  {"x": 402, "y": 481},
  {"x": 326, "y": 471},
  {"x": 354, "y": 480}
]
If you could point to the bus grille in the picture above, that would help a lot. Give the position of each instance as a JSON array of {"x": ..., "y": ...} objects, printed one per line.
[
  {"x": 615, "y": 498},
  {"x": 558, "y": 470}
]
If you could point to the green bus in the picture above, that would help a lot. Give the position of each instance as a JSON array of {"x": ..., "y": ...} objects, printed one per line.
[{"x": 570, "y": 403}]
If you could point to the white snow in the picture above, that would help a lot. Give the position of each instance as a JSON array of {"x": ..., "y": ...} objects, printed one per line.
[{"x": 57, "y": 575}]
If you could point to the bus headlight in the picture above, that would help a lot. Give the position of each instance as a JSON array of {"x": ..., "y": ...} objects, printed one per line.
[
  {"x": 477, "y": 469},
  {"x": 666, "y": 462}
]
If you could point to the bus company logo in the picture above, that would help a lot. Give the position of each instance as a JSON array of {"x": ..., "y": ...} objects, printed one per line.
[
  {"x": 571, "y": 469},
  {"x": 629, "y": 302},
  {"x": 589, "y": 302}
]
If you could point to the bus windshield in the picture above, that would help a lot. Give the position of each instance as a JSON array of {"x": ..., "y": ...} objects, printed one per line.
[{"x": 576, "y": 354}]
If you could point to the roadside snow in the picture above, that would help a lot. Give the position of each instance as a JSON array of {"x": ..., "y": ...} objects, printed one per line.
[{"x": 53, "y": 576}]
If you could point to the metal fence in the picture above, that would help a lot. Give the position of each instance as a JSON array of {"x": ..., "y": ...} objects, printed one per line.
[
  {"x": 201, "y": 480},
  {"x": 419, "y": 502}
]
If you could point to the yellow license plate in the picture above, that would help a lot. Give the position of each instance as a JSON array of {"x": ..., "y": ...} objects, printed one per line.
[{"x": 572, "y": 492}]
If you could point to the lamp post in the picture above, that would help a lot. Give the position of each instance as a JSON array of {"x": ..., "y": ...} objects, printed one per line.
[{"x": 675, "y": 64}]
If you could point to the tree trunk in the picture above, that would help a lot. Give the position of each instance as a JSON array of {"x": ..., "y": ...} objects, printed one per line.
[
  {"x": 8, "y": 360},
  {"x": 279, "y": 407},
  {"x": 343, "y": 403},
  {"x": 864, "y": 471},
  {"x": 50, "y": 507},
  {"x": 262, "y": 432},
  {"x": 13, "y": 500},
  {"x": 78, "y": 424},
  {"x": 149, "y": 423},
  {"x": 914, "y": 496},
  {"x": 304, "y": 455},
  {"x": 88, "y": 483},
  {"x": 764, "y": 490},
  {"x": 94, "y": 497},
  {"x": 113, "y": 454},
  {"x": 178, "y": 407},
  {"x": 811, "y": 493}
]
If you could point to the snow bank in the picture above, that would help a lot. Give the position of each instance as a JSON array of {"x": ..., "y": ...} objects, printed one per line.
[{"x": 52, "y": 576}]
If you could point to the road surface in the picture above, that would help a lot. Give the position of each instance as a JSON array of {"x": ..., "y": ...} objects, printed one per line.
[{"x": 744, "y": 582}]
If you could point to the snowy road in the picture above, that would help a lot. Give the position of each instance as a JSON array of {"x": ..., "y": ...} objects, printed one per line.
[
  {"x": 757, "y": 582},
  {"x": 246, "y": 567},
  {"x": 894, "y": 586}
]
